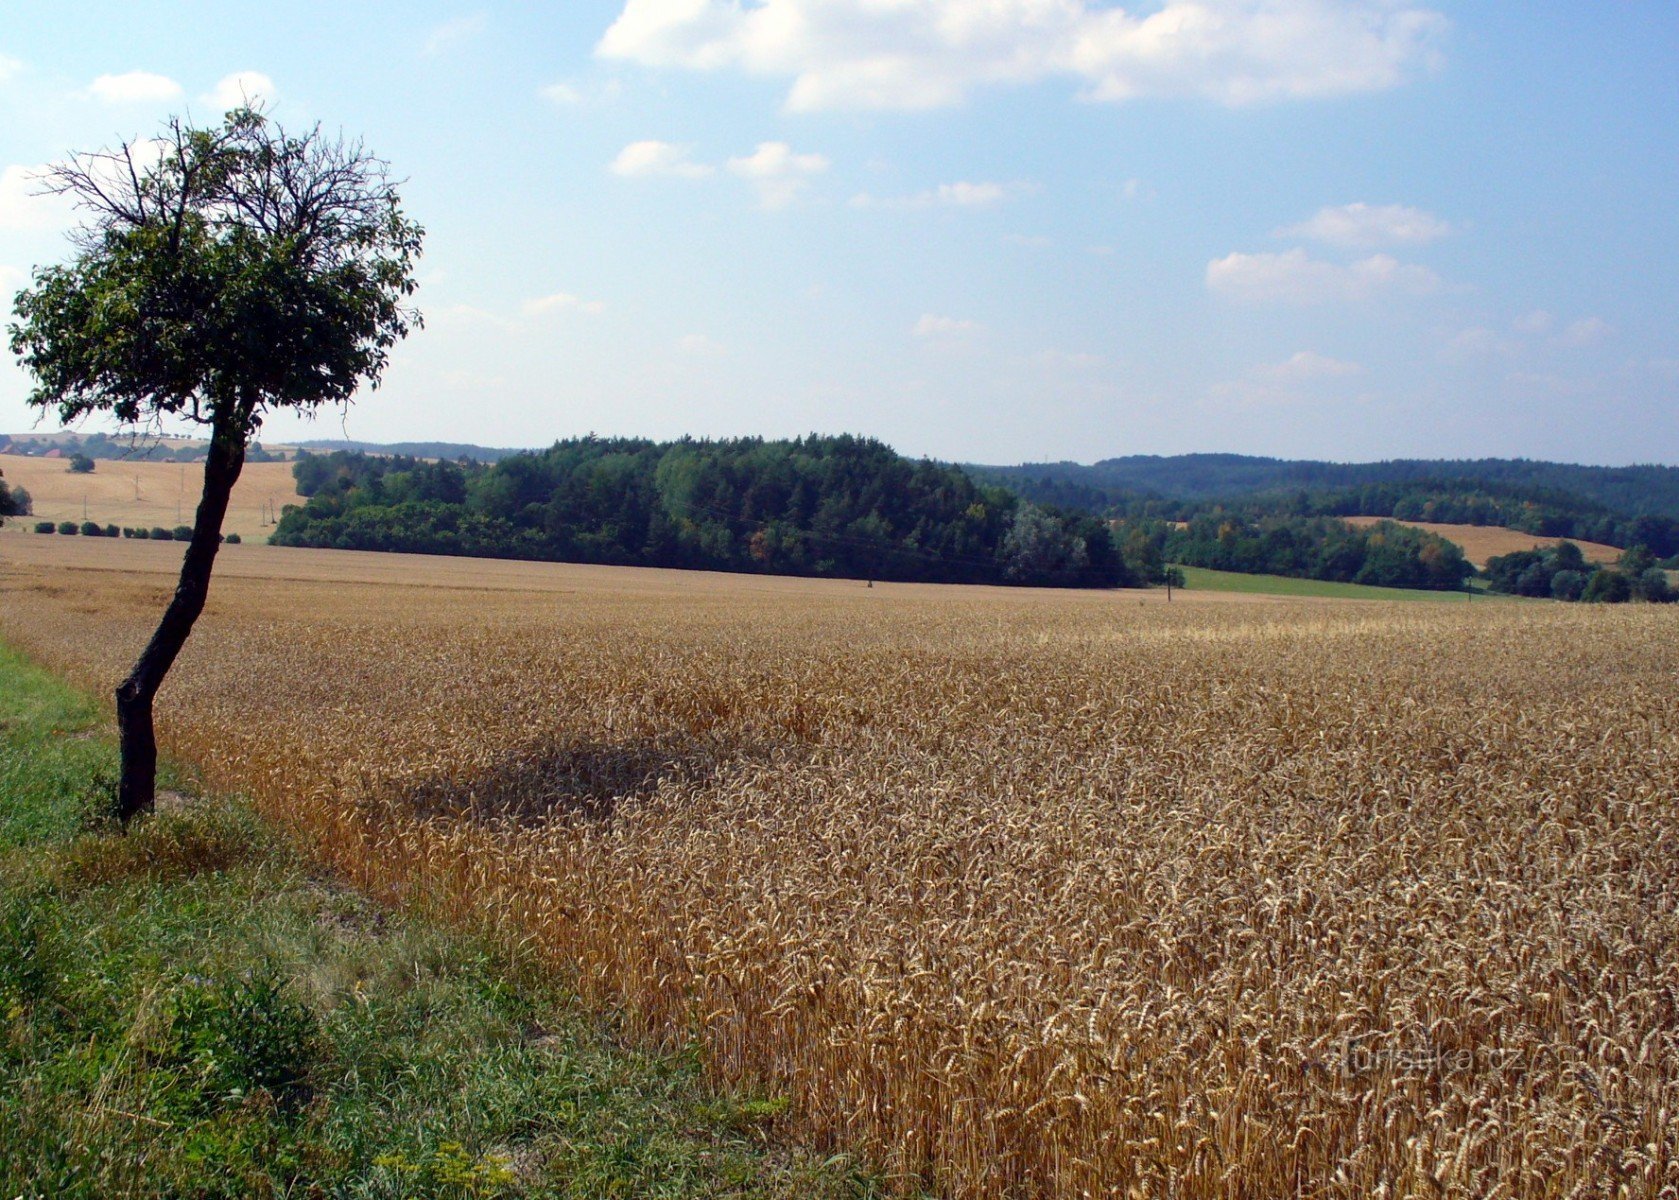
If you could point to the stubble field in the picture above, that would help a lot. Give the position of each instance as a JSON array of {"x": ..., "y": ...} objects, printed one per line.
[
  {"x": 1019, "y": 894},
  {"x": 146, "y": 494}
]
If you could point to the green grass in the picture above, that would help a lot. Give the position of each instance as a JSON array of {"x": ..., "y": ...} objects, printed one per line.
[
  {"x": 190, "y": 1012},
  {"x": 1204, "y": 579}
]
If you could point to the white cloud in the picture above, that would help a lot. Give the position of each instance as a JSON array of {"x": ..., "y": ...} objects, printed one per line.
[
  {"x": 641, "y": 159},
  {"x": 1304, "y": 377},
  {"x": 1295, "y": 277},
  {"x": 9, "y": 67},
  {"x": 777, "y": 172},
  {"x": 1074, "y": 359},
  {"x": 561, "y": 93},
  {"x": 239, "y": 88},
  {"x": 933, "y": 325},
  {"x": 1305, "y": 366},
  {"x": 1477, "y": 341},
  {"x": 1533, "y": 323},
  {"x": 12, "y": 281},
  {"x": 960, "y": 194},
  {"x": 134, "y": 87},
  {"x": 917, "y": 54},
  {"x": 1587, "y": 331},
  {"x": 25, "y": 208},
  {"x": 1369, "y": 225},
  {"x": 1135, "y": 189},
  {"x": 697, "y": 343},
  {"x": 450, "y": 34},
  {"x": 1032, "y": 241},
  {"x": 561, "y": 302}
]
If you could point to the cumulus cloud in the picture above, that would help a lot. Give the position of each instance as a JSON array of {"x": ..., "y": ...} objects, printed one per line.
[
  {"x": 1305, "y": 366},
  {"x": 697, "y": 343},
  {"x": 561, "y": 302},
  {"x": 1587, "y": 331},
  {"x": 960, "y": 194},
  {"x": 450, "y": 34},
  {"x": 1534, "y": 323},
  {"x": 650, "y": 158},
  {"x": 134, "y": 87},
  {"x": 1304, "y": 377},
  {"x": 561, "y": 93},
  {"x": 239, "y": 88},
  {"x": 933, "y": 325},
  {"x": 1295, "y": 277},
  {"x": 12, "y": 281},
  {"x": 9, "y": 67},
  {"x": 870, "y": 54},
  {"x": 777, "y": 172},
  {"x": 1477, "y": 341},
  {"x": 1370, "y": 225}
]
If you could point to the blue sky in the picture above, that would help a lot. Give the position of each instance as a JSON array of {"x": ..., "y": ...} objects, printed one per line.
[{"x": 993, "y": 230}]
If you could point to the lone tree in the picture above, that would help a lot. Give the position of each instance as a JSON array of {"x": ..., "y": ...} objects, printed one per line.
[{"x": 220, "y": 273}]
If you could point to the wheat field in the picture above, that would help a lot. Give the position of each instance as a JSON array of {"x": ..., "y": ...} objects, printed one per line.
[
  {"x": 1481, "y": 542},
  {"x": 146, "y": 493},
  {"x": 1012, "y": 893}
]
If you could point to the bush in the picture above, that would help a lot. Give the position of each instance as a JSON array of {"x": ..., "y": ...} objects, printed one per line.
[
  {"x": 1652, "y": 585},
  {"x": 68, "y": 528},
  {"x": 183, "y": 533},
  {"x": 1568, "y": 585},
  {"x": 81, "y": 464},
  {"x": 160, "y": 534},
  {"x": 1608, "y": 587},
  {"x": 232, "y": 539},
  {"x": 137, "y": 533},
  {"x": 92, "y": 529},
  {"x": 45, "y": 527},
  {"x": 112, "y": 531}
]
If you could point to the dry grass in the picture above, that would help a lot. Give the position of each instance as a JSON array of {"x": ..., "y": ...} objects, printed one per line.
[
  {"x": 1019, "y": 894},
  {"x": 146, "y": 493},
  {"x": 1481, "y": 542}
]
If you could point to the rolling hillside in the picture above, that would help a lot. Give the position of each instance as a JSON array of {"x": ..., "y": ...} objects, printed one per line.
[
  {"x": 1481, "y": 542},
  {"x": 145, "y": 493}
]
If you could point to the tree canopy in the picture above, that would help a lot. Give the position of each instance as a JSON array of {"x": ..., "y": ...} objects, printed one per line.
[{"x": 839, "y": 506}]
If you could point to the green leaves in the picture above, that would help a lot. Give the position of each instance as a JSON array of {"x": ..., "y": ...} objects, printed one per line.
[{"x": 242, "y": 270}]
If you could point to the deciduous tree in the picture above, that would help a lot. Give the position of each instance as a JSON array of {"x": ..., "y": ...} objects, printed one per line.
[{"x": 219, "y": 274}]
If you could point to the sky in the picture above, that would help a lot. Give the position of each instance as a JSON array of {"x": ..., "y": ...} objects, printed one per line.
[{"x": 979, "y": 230}]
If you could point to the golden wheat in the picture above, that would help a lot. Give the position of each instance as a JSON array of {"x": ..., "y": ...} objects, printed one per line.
[{"x": 1015, "y": 893}]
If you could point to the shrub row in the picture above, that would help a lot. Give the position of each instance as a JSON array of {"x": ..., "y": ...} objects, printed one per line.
[{"x": 181, "y": 533}]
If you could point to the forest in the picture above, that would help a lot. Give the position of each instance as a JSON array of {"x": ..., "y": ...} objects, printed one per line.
[{"x": 826, "y": 506}]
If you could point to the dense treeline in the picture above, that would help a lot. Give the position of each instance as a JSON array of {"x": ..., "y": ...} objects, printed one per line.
[
  {"x": 1562, "y": 573},
  {"x": 1633, "y": 491},
  {"x": 1539, "y": 511},
  {"x": 835, "y": 506},
  {"x": 1382, "y": 555}
]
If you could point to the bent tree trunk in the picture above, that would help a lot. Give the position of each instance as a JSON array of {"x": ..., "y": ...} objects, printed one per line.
[{"x": 136, "y": 792}]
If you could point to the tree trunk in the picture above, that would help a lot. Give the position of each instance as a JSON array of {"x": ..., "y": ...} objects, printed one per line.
[{"x": 136, "y": 793}]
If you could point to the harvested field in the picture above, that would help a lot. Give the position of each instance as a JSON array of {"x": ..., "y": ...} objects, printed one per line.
[
  {"x": 146, "y": 493},
  {"x": 1481, "y": 542},
  {"x": 1023, "y": 894}
]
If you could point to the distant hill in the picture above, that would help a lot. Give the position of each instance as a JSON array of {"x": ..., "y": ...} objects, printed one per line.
[
  {"x": 452, "y": 451},
  {"x": 1628, "y": 491}
]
